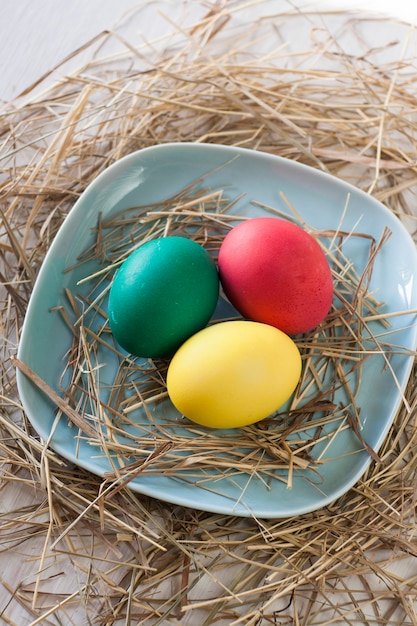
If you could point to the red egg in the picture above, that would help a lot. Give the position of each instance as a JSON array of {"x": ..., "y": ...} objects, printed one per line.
[{"x": 274, "y": 272}]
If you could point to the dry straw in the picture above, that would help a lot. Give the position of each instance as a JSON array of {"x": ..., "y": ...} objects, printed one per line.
[{"x": 89, "y": 550}]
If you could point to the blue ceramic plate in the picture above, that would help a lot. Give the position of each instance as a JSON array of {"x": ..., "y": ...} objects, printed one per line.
[{"x": 152, "y": 175}]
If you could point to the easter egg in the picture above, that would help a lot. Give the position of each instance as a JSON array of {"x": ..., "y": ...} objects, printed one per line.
[
  {"x": 165, "y": 291},
  {"x": 233, "y": 373},
  {"x": 275, "y": 272}
]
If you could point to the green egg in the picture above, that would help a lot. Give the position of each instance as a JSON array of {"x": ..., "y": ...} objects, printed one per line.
[{"x": 163, "y": 293}]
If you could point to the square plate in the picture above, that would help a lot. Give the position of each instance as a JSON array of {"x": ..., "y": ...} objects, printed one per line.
[{"x": 150, "y": 176}]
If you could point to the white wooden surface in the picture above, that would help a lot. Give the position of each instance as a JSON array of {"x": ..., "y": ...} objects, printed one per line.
[{"x": 37, "y": 34}]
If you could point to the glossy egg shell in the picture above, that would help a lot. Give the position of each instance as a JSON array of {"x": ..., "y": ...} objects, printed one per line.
[
  {"x": 164, "y": 292},
  {"x": 273, "y": 271},
  {"x": 233, "y": 373}
]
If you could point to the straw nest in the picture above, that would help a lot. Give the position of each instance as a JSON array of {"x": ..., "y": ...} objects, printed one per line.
[{"x": 304, "y": 86}]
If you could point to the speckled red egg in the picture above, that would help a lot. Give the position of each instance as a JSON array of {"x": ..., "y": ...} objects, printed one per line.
[{"x": 275, "y": 272}]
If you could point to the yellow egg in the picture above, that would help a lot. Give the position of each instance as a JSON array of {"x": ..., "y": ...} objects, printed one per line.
[{"x": 233, "y": 373}]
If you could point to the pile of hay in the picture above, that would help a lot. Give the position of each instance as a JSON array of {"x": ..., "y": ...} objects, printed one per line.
[{"x": 309, "y": 87}]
